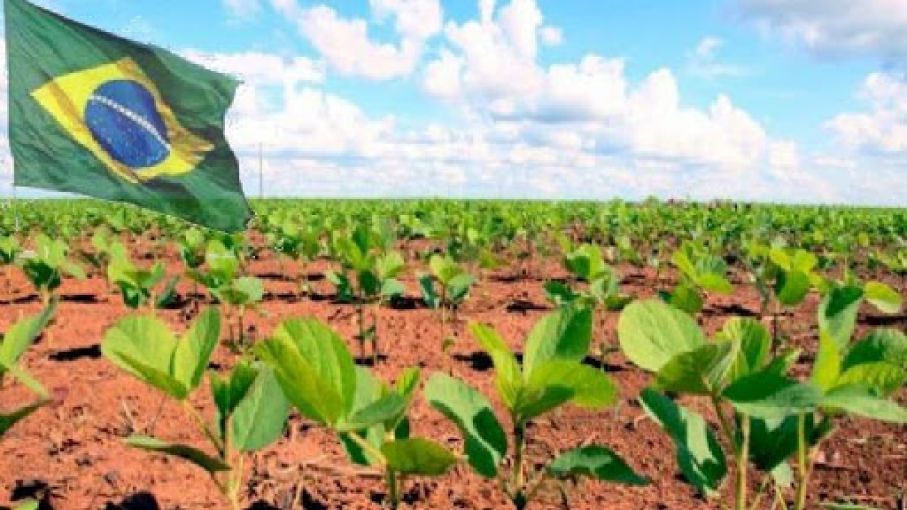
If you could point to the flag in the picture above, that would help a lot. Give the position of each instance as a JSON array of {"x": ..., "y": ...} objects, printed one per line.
[{"x": 99, "y": 115}]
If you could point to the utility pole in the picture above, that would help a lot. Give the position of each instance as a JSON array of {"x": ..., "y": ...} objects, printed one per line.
[{"x": 261, "y": 173}]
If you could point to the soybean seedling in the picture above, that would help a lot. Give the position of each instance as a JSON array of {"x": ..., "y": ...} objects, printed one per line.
[
  {"x": 455, "y": 284},
  {"x": 251, "y": 411},
  {"x": 551, "y": 375},
  {"x": 137, "y": 285},
  {"x": 17, "y": 339},
  {"x": 374, "y": 270},
  {"x": 9, "y": 252},
  {"x": 237, "y": 294},
  {"x": 320, "y": 379},
  {"x": 766, "y": 416},
  {"x": 45, "y": 265}
]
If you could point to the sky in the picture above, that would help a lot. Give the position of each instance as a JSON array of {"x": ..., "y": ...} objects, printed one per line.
[{"x": 766, "y": 100}]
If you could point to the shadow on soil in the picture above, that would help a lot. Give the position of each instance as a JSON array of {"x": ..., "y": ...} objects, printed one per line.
[
  {"x": 137, "y": 501},
  {"x": 78, "y": 353}
]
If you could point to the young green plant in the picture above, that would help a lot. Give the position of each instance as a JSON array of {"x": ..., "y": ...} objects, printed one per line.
[
  {"x": 236, "y": 294},
  {"x": 552, "y": 374},
  {"x": 320, "y": 379},
  {"x": 46, "y": 264},
  {"x": 767, "y": 417},
  {"x": 251, "y": 411}
]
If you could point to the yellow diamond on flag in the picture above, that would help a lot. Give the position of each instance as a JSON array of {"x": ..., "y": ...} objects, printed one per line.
[{"x": 116, "y": 112}]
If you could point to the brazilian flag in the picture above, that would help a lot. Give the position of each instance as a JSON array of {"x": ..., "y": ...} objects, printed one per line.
[{"x": 99, "y": 115}]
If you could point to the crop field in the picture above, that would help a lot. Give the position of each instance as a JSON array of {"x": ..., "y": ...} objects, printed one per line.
[{"x": 454, "y": 354}]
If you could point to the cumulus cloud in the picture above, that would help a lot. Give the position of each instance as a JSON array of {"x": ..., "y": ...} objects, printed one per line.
[
  {"x": 491, "y": 66},
  {"x": 876, "y": 28},
  {"x": 882, "y": 129},
  {"x": 348, "y": 48},
  {"x": 703, "y": 61}
]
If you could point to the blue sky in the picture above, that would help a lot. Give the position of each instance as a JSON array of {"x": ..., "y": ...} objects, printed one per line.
[{"x": 776, "y": 100}]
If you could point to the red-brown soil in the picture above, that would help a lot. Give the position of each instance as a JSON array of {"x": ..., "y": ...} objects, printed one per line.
[{"x": 72, "y": 452}]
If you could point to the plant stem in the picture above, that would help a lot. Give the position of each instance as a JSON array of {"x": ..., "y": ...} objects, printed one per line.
[
  {"x": 742, "y": 457},
  {"x": 519, "y": 441},
  {"x": 802, "y": 463},
  {"x": 725, "y": 425},
  {"x": 203, "y": 427},
  {"x": 393, "y": 496},
  {"x": 369, "y": 448}
]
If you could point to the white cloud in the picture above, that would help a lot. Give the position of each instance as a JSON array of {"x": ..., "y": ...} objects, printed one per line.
[
  {"x": 259, "y": 68},
  {"x": 835, "y": 27},
  {"x": 492, "y": 69},
  {"x": 347, "y": 47},
  {"x": 552, "y": 36},
  {"x": 703, "y": 61},
  {"x": 883, "y": 129},
  {"x": 243, "y": 8}
]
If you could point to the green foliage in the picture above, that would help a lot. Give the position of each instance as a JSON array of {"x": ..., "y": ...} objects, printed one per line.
[
  {"x": 453, "y": 279},
  {"x": 17, "y": 339},
  {"x": 775, "y": 415},
  {"x": 552, "y": 375},
  {"x": 586, "y": 264},
  {"x": 47, "y": 263},
  {"x": 251, "y": 407},
  {"x": 316, "y": 371}
]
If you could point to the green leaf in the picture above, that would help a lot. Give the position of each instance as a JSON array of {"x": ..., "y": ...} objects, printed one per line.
[
  {"x": 26, "y": 379},
  {"x": 773, "y": 441},
  {"x": 769, "y": 395},
  {"x": 185, "y": 452},
  {"x": 699, "y": 372},
  {"x": 458, "y": 287},
  {"x": 384, "y": 409},
  {"x": 427, "y": 286},
  {"x": 846, "y": 506},
  {"x": 595, "y": 462},
  {"x": 260, "y": 417},
  {"x": 445, "y": 269},
  {"x": 326, "y": 353},
  {"x": 228, "y": 392},
  {"x": 7, "y": 421},
  {"x": 30, "y": 504},
  {"x": 508, "y": 376},
  {"x": 315, "y": 396},
  {"x": 754, "y": 345},
  {"x": 889, "y": 345},
  {"x": 417, "y": 456},
  {"x": 792, "y": 287},
  {"x": 562, "y": 335},
  {"x": 699, "y": 454},
  {"x": 714, "y": 282},
  {"x": 687, "y": 299},
  {"x": 862, "y": 401},
  {"x": 652, "y": 332},
  {"x": 883, "y": 297},
  {"x": 557, "y": 382},
  {"x": 152, "y": 376},
  {"x": 21, "y": 335},
  {"x": 368, "y": 390},
  {"x": 559, "y": 293},
  {"x": 881, "y": 376},
  {"x": 193, "y": 352},
  {"x": 838, "y": 313},
  {"x": 142, "y": 338},
  {"x": 827, "y": 367},
  {"x": 391, "y": 288},
  {"x": 485, "y": 440}
]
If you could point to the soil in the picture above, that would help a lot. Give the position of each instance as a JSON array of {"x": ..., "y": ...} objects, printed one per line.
[{"x": 71, "y": 453}]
